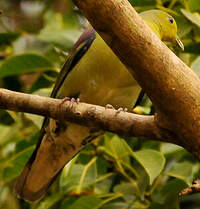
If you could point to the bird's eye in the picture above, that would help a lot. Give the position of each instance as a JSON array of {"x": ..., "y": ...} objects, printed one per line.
[{"x": 170, "y": 20}]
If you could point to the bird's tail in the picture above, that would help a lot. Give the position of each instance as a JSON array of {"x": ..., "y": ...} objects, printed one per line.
[{"x": 59, "y": 145}]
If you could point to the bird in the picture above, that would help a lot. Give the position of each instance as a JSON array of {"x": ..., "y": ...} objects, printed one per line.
[{"x": 95, "y": 75}]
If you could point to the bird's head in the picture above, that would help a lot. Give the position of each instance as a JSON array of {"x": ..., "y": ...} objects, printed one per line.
[{"x": 164, "y": 26}]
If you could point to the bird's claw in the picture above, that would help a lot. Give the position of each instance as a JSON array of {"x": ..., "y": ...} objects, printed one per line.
[
  {"x": 72, "y": 101},
  {"x": 109, "y": 106},
  {"x": 121, "y": 110},
  {"x": 77, "y": 100}
]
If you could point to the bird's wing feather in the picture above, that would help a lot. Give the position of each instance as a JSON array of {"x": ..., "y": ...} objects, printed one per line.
[{"x": 78, "y": 51}]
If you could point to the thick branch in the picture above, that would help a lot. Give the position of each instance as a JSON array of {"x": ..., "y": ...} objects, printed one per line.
[
  {"x": 171, "y": 85},
  {"x": 127, "y": 124}
]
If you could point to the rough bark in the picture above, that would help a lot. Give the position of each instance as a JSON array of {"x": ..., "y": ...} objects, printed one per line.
[
  {"x": 171, "y": 85},
  {"x": 124, "y": 123}
]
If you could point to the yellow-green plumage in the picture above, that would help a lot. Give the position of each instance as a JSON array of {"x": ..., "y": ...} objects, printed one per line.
[
  {"x": 106, "y": 81},
  {"x": 99, "y": 78},
  {"x": 102, "y": 76},
  {"x": 163, "y": 25}
]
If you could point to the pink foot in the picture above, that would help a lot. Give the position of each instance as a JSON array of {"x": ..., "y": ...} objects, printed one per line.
[
  {"x": 121, "y": 110},
  {"x": 109, "y": 106},
  {"x": 72, "y": 101}
]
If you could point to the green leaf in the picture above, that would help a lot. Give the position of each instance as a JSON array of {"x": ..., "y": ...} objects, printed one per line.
[
  {"x": 70, "y": 175},
  {"x": 184, "y": 26},
  {"x": 152, "y": 161},
  {"x": 28, "y": 43},
  {"x": 4, "y": 136},
  {"x": 90, "y": 169},
  {"x": 194, "y": 5},
  {"x": 104, "y": 186},
  {"x": 115, "y": 148},
  {"x": 117, "y": 205},
  {"x": 193, "y": 17},
  {"x": 24, "y": 63},
  {"x": 77, "y": 177},
  {"x": 9, "y": 134},
  {"x": 14, "y": 166},
  {"x": 184, "y": 171},
  {"x": 50, "y": 201},
  {"x": 36, "y": 119},
  {"x": 143, "y": 3},
  {"x": 45, "y": 92},
  {"x": 6, "y": 38},
  {"x": 57, "y": 33},
  {"x": 125, "y": 189},
  {"x": 168, "y": 148},
  {"x": 168, "y": 193},
  {"x": 44, "y": 81},
  {"x": 67, "y": 202},
  {"x": 86, "y": 202},
  {"x": 62, "y": 38},
  {"x": 5, "y": 118},
  {"x": 155, "y": 206},
  {"x": 196, "y": 66}
]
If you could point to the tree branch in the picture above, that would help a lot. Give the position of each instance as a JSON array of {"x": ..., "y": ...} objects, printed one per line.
[
  {"x": 194, "y": 188},
  {"x": 123, "y": 123}
]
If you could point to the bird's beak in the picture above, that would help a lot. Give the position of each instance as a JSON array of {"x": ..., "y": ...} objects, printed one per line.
[{"x": 179, "y": 43}]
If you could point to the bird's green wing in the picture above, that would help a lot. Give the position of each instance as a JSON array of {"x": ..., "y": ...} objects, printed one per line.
[{"x": 78, "y": 51}]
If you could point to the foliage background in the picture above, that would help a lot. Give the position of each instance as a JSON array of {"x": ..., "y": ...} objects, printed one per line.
[{"x": 113, "y": 172}]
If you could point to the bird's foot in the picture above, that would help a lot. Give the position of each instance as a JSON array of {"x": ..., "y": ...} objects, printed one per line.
[
  {"x": 109, "y": 106},
  {"x": 121, "y": 110},
  {"x": 72, "y": 101}
]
